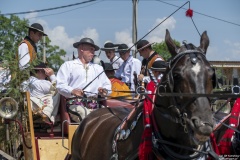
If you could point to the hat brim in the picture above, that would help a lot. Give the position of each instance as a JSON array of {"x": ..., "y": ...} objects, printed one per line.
[
  {"x": 107, "y": 49},
  {"x": 158, "y": 69},
  {"x": 44, "y": 34},
  {"x": 75, "y": 45},
  {"x": 145, "y": 46},
  {"x": 123, "y": 50}
]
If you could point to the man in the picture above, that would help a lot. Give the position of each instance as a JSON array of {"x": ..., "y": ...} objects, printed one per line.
[
  {"x": 27, "y": 50},
  {"x": 80, "y": 77},
  {"x": 109, "y": 49},
  {"x": 117, "y": 85},
  {"x": 149, "y": 56},
  {"x": 43, "y": 94},
  {"x": 155, "y": 73},
  {"x": 130, "y": 66}
]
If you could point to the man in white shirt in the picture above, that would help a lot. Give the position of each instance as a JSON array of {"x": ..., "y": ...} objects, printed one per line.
[
  {"x": 109, "y": 49},
  {"x": 27, "y": 50},
  {"x": 129, "y": 66},
  {"x": 43, "y": 94},
  {"x": 81, "y": 77}
]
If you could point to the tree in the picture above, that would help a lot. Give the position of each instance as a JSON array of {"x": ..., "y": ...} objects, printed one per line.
[
  {"x": 12, "y": 32},
  {"x": 162, "y": 49},
  {"x": 53, "y": 55}
]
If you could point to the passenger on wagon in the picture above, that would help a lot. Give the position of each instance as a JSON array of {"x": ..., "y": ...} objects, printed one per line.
[
  {"x": 27, "y": 50},
  {"x": 43, "y": 93},
  {"x": 80, "y": 77},
  {"x": 155, "y": 73},
  {"x": 109, "y": 49},
  {"x": 117, "y": 85},
  {"x": 130, "y": 65},
  {"x": 149, "y": 56}
]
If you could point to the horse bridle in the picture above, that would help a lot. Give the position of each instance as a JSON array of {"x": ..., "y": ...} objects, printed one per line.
[{"x": 179, "y": 109}]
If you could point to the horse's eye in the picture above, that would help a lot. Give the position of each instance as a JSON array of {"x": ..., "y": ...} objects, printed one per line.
[{"x": 177, "y": 76}]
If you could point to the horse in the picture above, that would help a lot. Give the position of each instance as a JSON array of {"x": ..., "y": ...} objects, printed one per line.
[{"x": 116, "y": 133}]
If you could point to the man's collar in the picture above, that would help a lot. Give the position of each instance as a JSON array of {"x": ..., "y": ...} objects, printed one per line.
[{"x": 77, "y": 61}]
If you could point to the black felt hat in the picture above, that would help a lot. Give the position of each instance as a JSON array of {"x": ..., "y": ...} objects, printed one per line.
[
  {"x": 159, "y": 66},
  {"x": 37, "y": 27},
  {"x": 122, "y": 48},
  {"x": 39, "y": 66},
  {"x": 108, "y": 67},
  {"x": 108, "y": 46},
  {"x": 143, "y": 44},
  {"x": 86, "y": 41}
]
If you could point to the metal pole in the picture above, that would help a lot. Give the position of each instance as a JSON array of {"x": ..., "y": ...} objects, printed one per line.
[
  {"x": 134, "y": 25},
  {"x": 44, "y": 50}
]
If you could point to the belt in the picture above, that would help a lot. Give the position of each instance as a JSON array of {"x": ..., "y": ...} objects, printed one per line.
[{"x": 90, "y": 104}]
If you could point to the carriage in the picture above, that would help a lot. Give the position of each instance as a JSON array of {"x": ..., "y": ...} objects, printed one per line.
[{"x": 175, "y": 124}]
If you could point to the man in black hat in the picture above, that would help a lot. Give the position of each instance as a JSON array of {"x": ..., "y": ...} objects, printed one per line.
[
  {"x": 117, "y": 85},
  {"x": 109, "y": 49},
  {"x": 149, "y": 56},
  {"x": 27, "y": 50},
  {"x": 82, "y": 77},
  {"x": 128, "y": 68}
]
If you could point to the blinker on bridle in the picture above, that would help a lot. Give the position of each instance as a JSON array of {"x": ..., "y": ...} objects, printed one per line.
[{"x": 170, "y": 81}]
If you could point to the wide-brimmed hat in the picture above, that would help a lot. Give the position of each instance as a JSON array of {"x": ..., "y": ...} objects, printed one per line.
[
  {"x": 108, "y": 67},
  {"x": 143, "y": 44},
  {"x": 86, "y": 41},
  {"x": 39, "y": 66},
  {"x": 122, "y": 48},
  {"x": 109, "y": 46},
  {"x": 159, "y": 66},
  {"x": 37, "y": 27}
]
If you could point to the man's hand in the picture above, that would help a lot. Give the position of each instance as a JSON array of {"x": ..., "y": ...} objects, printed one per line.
[
  {"x": 77, "y": 92},
  {"x": 48, "y": 71},
  {"x": 102, "y": 91},
  {"x": 140, "y": 77}
]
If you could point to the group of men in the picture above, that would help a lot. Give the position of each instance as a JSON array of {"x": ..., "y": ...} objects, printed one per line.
[{"x": 82, "y": 78}]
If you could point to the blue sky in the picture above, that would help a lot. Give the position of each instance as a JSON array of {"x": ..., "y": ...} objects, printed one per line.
[{"x": 105, "y": 20}]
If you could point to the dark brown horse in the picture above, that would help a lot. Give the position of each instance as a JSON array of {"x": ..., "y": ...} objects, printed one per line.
[{"x": 110, "y": 133}]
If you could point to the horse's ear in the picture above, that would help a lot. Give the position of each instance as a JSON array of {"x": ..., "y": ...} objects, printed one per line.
[
  {"x": 204, "y": 42},
  {"x": 170, "y": 44}
]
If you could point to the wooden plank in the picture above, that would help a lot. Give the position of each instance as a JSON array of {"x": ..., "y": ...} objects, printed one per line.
[
  {"x": 6, "y": 156},
  {"x": 52, "y": 149},
  {"x": 31, "y": 127},
  {"x": 71, "y": 130}
]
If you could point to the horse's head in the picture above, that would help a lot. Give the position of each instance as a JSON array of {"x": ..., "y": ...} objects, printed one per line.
[{"x": 188, "y": 73}]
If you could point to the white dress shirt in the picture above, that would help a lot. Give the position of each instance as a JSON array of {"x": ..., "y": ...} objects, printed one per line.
[
  {"x": 40, "y": 87},
  {"x": 24, "y": 56},
  {"x": 126, "y": 70},
  {"x": 72, "y": 75},
  {"x": 116, "y": 62}
]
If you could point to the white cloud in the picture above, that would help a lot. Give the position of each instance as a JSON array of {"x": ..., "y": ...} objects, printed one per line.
[
  {"x": 59, "y": 36},
  {"x": 158, "y": 34},
  {"x": 123, "y": 36}
]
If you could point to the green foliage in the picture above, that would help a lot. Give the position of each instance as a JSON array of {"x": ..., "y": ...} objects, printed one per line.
[
  {"x": 162, "y": 49},
  {"x": 53, "y": 55},
  {"x": 12, "y": 32}
]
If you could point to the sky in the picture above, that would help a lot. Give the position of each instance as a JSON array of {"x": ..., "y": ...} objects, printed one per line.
[{"x": 111, "y": 20}]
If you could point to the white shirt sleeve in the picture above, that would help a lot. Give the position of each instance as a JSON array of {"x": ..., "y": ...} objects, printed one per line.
[
  {"x": 63, "y": 79},
  {"x": 136, "y": 66},
  {"x": 23, "y": 55}
]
